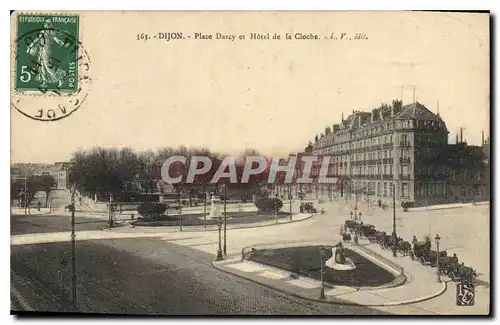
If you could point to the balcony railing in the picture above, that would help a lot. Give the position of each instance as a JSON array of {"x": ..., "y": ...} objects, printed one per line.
[
  {"x": 387, "y": 176},
  {"x": 404, "y": 144},
  {"x": 387, "y": 145},
  {"x": 404, "y": 160},
  {"x": 404, "y": 177}
]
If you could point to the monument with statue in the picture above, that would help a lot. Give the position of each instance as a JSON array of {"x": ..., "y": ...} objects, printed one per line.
[{"x": 338, "y": 261}]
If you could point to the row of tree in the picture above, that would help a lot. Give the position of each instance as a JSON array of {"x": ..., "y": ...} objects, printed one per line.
[
  {"x": 34, "y": 183},
  {"x": 105, "y": 171}
]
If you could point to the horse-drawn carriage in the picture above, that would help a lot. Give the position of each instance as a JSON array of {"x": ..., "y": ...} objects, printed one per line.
[
  {"x": 462, "y": 273},
  {"x": 455, "y": 271},
  {"x": 346, "y": 237},
  {"x": 376, "y": 236},
  {"x": 403, "y": 247},
  {"x": 422, "y": 251},
  {"x": 384, "y": 240},
  {"x": 419, "y": 250},
  {"x": 448, "y": 264},
  {"x": 307, "y": 207},
  {"x": 367, "y": 230}
]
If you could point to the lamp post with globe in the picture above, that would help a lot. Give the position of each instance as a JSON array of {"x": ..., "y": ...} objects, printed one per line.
[
  {"x": 437, "y": 239},
  {"x": 219, "y": 251}
]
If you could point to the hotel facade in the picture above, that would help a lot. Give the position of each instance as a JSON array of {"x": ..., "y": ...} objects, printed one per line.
[{"x": 402, "y": 151}]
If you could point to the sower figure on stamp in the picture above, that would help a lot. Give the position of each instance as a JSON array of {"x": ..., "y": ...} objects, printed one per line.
[{"x": 41, "y": 48}]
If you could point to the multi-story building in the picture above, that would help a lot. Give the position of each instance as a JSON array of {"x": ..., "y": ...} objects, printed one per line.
[
  {"x": 59, "y": 171},
  {"x": 401, "y": 151}
]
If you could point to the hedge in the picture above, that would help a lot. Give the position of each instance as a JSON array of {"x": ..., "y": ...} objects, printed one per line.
[
  {"x": 268, "y": 204},
  {"x": 150, "y": 209}
]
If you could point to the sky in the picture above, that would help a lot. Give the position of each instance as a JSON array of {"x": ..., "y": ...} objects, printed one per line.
[{"x": 273, "y": 96}]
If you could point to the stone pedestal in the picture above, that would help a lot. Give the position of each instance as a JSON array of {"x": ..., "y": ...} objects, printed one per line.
[{"x": 332, "y": 263}]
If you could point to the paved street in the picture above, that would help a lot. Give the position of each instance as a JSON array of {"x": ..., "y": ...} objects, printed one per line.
[
  {"x": 146, "y": 276},
  {"x": 45, "y": 223},
  {"x": 138, "y": 276},
  {"x": 108, "y": 265}
]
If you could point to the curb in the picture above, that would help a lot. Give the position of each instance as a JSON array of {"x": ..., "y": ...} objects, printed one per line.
[
  {"x": 399, "y": 280},
  {"x": 344, "y": 303},
  {"x": 468, "y": 205},
  {"x": 249, "y": 226},
  {"x": 22, "y": 302}
]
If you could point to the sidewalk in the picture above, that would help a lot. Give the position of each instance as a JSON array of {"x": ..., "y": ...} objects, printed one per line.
[
  {"x": 29, "y": 211},
  {"x": 447, "y": 206},
  {"x": 295, "y": 218},
  {"x": 420, "y": 285}
]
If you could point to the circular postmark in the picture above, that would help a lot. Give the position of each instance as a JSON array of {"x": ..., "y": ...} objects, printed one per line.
[{"x": 51, "y": 76}]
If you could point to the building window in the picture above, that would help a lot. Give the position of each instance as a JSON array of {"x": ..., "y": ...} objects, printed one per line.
[
  {"x": 385, "y": 189},
  {"x": 404, "y": 189}
]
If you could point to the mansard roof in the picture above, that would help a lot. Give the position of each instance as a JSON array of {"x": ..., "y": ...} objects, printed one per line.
[{"x": 417, "y": 111}]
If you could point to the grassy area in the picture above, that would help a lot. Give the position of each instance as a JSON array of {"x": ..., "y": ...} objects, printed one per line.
[{"x": 307, "y": 261}]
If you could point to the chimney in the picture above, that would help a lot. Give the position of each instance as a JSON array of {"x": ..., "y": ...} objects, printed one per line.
[
  {"x": 461, "y": 134},
  {"x": 456, "y": 140},
  {"x": 482, "y": 137}
]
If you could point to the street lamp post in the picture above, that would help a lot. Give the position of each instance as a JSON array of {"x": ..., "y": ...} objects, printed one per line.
[
  {"x": 219, "y": 251},
  {"x": 321, "y": 255},
  {"x": 275, "y": 209},
  {"x": 437, "y": 258},
  {"x": 110, "y": 211},
  {"x": 394, "y": 236},
  {"x": 225, "y": 218},
  {"x": 25, "y": 193},
  {"x": 180, "y": 212},
  {"x": 25, "y": 196},
  {"x": 356, "y": 227},
  {"x": 355, "y": 199},
  {"x": 73, "y": 247},
  {"x": 204, "y": 206}
]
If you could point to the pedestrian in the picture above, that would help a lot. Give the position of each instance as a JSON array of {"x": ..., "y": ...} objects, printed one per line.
[{"x": 39, "y": 205}]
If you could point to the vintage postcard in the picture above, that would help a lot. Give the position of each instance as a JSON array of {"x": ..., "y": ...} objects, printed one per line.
[{"x": 250, "y": 163}]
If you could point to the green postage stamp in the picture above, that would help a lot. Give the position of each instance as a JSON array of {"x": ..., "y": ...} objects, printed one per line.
[{"x": 47, "y": 53}]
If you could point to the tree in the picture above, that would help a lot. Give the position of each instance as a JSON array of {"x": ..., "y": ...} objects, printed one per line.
[{"x": 46, "y": 183}]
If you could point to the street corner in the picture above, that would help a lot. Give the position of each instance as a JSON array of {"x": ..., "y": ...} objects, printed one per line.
[
  {"x": 397, "y": 292},
  {"x": 177, "y": 227}
]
